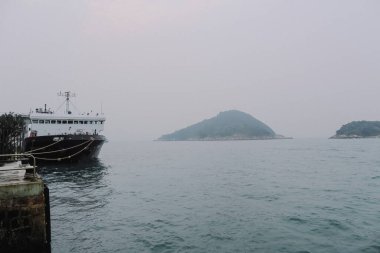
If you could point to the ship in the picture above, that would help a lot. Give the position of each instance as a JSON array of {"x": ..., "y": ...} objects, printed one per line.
[{"x": 64, "y": 136}]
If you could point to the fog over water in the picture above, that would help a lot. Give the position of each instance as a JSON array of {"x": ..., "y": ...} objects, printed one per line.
[{"x": 303, "y": 67}]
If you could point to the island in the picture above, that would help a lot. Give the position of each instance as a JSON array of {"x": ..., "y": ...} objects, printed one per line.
[
  {"x": 358, "y": 129},
  {"x": 228, "y": 125}
]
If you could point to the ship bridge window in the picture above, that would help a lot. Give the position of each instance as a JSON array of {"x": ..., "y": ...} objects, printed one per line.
[
  {"x": 85, "y": 122},
  {"x": 35, "y": 121},
  {"x": 101, "y": 122},
  {"x": 80, "y": 122},
  {"x": 70, "y": 122},
  {"x": 64, "y": 121},
  {"x": 75, "y": 122},
  {"x": 53, "y": 121},
  {"x": 59, "y": 121},
  {"x": 47, "y": 121},
  {"x": 41, "y": 121},
  {"x": 90, "y": 122}
]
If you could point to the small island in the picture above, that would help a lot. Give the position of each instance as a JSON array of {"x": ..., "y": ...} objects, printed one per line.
[
  {"x": 228, "y": 125},
  {"x": 358, "y": 129}
]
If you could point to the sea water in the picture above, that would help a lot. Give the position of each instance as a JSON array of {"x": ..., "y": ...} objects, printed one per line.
[{"x": 300, "y": 195}]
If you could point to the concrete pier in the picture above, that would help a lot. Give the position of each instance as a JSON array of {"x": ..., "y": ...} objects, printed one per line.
[{"x": 24, "y": 222}]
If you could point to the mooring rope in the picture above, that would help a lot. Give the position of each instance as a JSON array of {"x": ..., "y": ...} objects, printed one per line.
[
  {"x": 59, "y": 150},
  {"x": 43, "y": 147},
  {"x": 66, "y": 157}
]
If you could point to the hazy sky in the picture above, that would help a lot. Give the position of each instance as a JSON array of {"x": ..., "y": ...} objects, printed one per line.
[{"x": 303, "y": 67}]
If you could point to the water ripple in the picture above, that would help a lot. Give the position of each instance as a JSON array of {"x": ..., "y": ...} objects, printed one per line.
[{"x": 283, "y": 196}]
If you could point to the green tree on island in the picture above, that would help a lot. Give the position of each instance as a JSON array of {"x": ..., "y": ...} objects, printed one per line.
[{"x": 359, "y": 129}]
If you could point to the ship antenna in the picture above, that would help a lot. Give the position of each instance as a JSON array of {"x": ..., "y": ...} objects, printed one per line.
[{"x": 67, "y": 95}]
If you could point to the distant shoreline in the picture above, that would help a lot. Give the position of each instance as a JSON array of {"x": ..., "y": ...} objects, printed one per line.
[
  {"x": 342, "y": 137},
  {"x": 233, "y": 139}
]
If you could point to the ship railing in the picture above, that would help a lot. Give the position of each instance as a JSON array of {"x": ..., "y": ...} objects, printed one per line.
[{"x": 30, "y": 169}]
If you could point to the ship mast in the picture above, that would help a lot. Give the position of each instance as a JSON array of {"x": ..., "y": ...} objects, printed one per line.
[{"x": 67, "y": 95}]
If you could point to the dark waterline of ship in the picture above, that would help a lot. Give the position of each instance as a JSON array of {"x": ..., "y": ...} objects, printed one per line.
[{"x": 243, "y": 196}]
